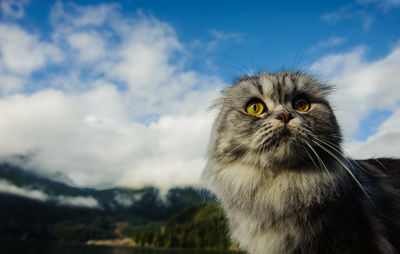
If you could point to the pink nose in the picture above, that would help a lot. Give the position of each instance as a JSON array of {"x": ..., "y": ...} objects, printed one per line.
[{"x": 285, "y": 117}]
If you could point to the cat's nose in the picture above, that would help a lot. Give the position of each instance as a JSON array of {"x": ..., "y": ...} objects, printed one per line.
[{"x": 285, "y": 118}]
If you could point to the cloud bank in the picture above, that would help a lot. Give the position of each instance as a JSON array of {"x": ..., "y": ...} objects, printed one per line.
[
  {"x": 362, "y": 88},
  {"x": 80, "y": 201},
  {"x": 118, "y": 106},
  {"x": 7, "y": 187}
]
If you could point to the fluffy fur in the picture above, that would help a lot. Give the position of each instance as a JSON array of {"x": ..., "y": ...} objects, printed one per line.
[{"x": 286, "y": 186}]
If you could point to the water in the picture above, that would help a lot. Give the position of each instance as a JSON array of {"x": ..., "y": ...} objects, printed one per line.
[{"x": 33, "y": 247}]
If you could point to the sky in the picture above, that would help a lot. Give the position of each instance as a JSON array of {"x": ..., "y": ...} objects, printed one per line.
[{"x": 103, "y": 93}]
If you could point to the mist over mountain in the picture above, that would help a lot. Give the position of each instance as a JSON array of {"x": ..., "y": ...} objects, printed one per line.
[{"x": 36, "y": 207}]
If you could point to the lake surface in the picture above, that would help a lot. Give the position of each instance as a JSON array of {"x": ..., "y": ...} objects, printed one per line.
[{"x": 32, "y": 247}]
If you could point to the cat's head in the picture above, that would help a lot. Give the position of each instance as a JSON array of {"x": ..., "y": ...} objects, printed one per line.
[{"x": 274, "y": 120}]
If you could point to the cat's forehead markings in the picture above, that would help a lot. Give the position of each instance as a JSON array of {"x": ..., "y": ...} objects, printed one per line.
[
  {"x": 288, "y": 86},
  {"x": 276, "y": 87},
  {"x": 267, "y": 85},
  {"x": 301, "y": 82},
  {"x": 249, "y": 87}
]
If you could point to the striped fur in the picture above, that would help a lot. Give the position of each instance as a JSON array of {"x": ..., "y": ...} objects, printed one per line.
[{"x": 288, "y": 188}]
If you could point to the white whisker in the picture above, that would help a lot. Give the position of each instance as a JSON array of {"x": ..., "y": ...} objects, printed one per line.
[
  {"x": 320, "y": 161},
  {"x": 347, "y": 157},
  {"x": 345, "y": 167}
]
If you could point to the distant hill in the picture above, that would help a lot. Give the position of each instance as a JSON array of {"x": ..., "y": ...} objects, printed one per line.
[
  {"x": 197, "y": 226},
  {"x": 133, "y": 200},
  {"x": 36, "y": 207}
]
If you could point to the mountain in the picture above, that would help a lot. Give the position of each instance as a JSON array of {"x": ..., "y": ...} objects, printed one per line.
[{"x": 36, "y": 207}]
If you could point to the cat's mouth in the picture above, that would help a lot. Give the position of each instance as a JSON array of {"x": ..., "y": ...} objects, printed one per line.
[
  {"x": 283, "y": 148},
  {"x": 284, "y": 138},
  {"x": 285, "y": 134}
]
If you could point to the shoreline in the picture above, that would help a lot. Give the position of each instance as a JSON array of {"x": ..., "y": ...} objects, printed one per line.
[{"x": 101, "y": 243}]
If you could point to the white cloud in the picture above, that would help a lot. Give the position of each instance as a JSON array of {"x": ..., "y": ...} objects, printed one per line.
[
  {"x": 86, "y": 121},
  {"x": 90, "y": 138},
  {"x": 361, "y": 10},
  {"x": 222, "y": 37},
  {"x": 385, "y": 143},
  {"x": 43, "y": 117},
  {"x": 350, "y": 11},
  {"x": 385, "y": 5},
  {"x": 22, "y": 52},
  {"x": 13, "y": 8},
  {"x": 123, "y": 200},
  {"x": 7, "y": 187},
  {"x": 335, "y": 64},
  {"x": 143, "y": 59},
  {"x": 330, "y": 42},
  {"x": 90, "y": 45},
  {"x": 127, "y": 199},
  {"x": 342, "y": 13},
  {"x": 10, "y": 83},
  {"x": 28, "y": 192},
  {"x": 364, "y": 86},
  {"x": 79, "y": 201},
  {"x": 179, "y": 156},
  {"x": 81, "y": 16}
]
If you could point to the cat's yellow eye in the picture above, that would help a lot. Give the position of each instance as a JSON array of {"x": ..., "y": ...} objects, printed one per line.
[
  {"x": 301, "y": 104},
  {"x": 255, "y": 107}
]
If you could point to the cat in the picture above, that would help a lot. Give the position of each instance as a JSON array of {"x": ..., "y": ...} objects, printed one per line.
[{"x": 276, "y": 164}]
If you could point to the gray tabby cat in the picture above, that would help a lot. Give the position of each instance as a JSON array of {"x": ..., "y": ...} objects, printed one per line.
[{"x": 276, "y": 164}]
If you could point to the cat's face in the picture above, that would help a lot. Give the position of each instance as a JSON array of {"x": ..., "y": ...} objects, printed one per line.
[{"x": 274, "y": 120}]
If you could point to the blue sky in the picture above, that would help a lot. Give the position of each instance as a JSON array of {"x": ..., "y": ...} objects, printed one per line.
[
  {"x": 256, "y": 35},
  {"x": 116, "y": 93}
]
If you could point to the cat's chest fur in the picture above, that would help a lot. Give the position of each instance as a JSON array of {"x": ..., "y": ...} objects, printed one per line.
[
  {"x": 258, "y": 239},
  {"x": 273, "y": 213}
]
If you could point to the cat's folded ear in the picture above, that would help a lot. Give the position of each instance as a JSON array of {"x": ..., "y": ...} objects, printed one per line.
[
  {"x": 216, "y": 104},
  {"x": 220, "y": 101},
  {"x": 226, "y": 90},
  {"x": 325, "y": 87},
  {"x": 328, "y": 89}
]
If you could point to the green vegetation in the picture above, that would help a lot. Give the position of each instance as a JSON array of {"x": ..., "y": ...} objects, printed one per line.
[{"x": 198, "y": 226}]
